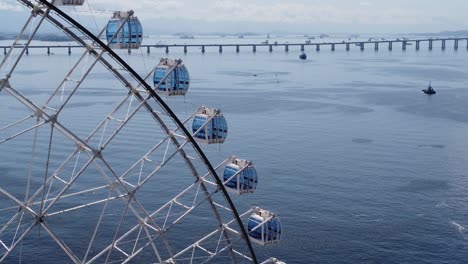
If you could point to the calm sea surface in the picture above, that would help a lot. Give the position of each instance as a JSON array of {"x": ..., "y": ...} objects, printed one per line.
[{"x": 359, "y": 164}]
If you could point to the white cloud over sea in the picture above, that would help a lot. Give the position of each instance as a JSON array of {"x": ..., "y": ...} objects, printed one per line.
[{"x": 317, "y": 15}]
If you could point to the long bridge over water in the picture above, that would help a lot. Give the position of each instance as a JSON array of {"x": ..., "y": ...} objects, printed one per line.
[{"x": 375, "y": 45}]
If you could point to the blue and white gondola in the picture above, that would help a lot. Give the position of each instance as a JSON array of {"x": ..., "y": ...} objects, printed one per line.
[
  {"x": 240, "y": 176},
  {"x": 209, "y": 126},
  {"x": 264, "y": 227},
  {"x": 178, "y": 81},
  {"x": 124, "y": 31},
  {"x": 68, "y": 2}
]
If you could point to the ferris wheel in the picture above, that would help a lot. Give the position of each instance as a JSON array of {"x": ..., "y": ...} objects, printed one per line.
[{"x": 98, "y": 169}]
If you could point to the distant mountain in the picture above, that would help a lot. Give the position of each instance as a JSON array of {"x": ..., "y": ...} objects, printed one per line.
[
  {"x": 41, "y": 37},
  {"x": 458, "y": 33}
]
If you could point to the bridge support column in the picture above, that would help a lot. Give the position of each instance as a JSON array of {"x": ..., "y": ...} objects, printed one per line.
[
  {"x": 390, "y": 46},
  {"x": 455, "y": 44},
  {"x": 443, "y": 44},
  {"x": 148, "y": 50},
  {"x": 403, "y": 45},
  {"x": 202, "y": 49},
  {"x": 302, "y": 48},
  {"x": 167, "y": 49},
  {"x": 430, "y": 44},
  {"x": 376, "y": 46},
  {"x": 185, "y": 49},
  {"x": 27, "y": 51},
  {"x": 362, "y": 46},
  {"x": 220, "y": 49},
  {"x": 271, "y": 48},
  {"x": 347, "y": 47},
  {"x": 48, "y": 51},
  {"x": 467, "y": 44},
  {"x": 332, "y": 47},
  {"x": 69, "y": 50},
  {"x": 317, "y": 48},
  {"x": 286, "y": 48},
  {"x": 5, "y": 51},
  {"x": 254, "y": 48},
  {"x": 237, "y": 49},
  {"x": 417, "y": 45}
]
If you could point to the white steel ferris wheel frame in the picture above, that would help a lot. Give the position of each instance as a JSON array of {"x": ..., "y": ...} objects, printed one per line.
[{"x": 228, "y": 232}]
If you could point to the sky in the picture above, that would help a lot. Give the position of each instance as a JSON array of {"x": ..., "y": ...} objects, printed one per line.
[{"x": 260, "y": 16}]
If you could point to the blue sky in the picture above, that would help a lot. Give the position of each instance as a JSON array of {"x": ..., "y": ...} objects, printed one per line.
[{"x": 314, "y": 16}]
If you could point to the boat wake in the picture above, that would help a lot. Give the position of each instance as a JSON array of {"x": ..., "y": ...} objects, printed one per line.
[
  {"x": 441, "y": 204},
  {"x": 460, "y": 228}
]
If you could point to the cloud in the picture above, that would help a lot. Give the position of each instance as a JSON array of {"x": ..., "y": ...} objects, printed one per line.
[
  {"x": 10, "y": 5},
  {"x": 293, "y": 15},
  {"x": 365, "y": 3},
  {"x": 289, "y": 12}
]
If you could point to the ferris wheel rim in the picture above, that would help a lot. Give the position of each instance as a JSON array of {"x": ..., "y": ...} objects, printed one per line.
[{"x": 161, "y": 102}]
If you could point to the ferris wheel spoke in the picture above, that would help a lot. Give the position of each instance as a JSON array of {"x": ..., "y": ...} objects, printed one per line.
[
  {"x": 153, "y": 150},
  {"x": 53, "y": 176},
  {"x": 188, "y": 208},
  {"x": 81, "y": 206},
  {"x": 125, "y": 198},
  {"x": 180, "y": 217},
  {"x": 17, "y": 39},
  {"x": 18, "y": 242},
  {"x": 118, "y": 240},
  {"x": 125, "y": 120},
  {"x": 203, "y": 186},
  {"x": 67, "y": 78},
  {"x": 61, "y": 244},
  {"x": 129, "y": 197},
  {"x": 47, "y": 118},
  {"x": 224, "y": 229},
  {"x": 211, "y": 250},
  {"x": 117, "y": 231},
  {"x": 164, "y": 162},
  {"x": 22, "y": 132},
  {"x": 70, "y": 183},
  {"x": 28, "y": 42},
  {"x": 16, "y": 123},
  {"x": 86, "y": 54},
  {"x": 46, "y": 173},
  {"x": 96, "y": 229},
  {"x": 18, "y": 202},
  {"x": 111, "y": 187},
  {"x": 153, "y": 245},
  {"x": 184, "y": 192},
  {"x": 11, "y": 222},
  {"x": 122, "y": 124},
  {"x": 79, "y": 81},
  {"x": 216, "y": 253}
]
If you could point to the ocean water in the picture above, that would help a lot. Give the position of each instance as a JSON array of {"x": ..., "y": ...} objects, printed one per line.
[{"x": 358, "y": 163}]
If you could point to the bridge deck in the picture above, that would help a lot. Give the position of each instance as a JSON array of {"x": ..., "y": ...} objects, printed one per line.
[{"x": 404, "y": 43}]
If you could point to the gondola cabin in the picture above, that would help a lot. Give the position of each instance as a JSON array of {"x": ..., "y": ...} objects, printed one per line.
[
  {"x": 209, "y": 126},
  {"x": 240, "y": 176},
  {"x": 264, "y": 227},
  {"x": 177, "y": 81},
  {"x": 124, "y": 31},
  {"x": 68, "y": 2}
]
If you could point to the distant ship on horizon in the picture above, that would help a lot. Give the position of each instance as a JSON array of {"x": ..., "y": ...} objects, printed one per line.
[{"x": 187, "y": 36}]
